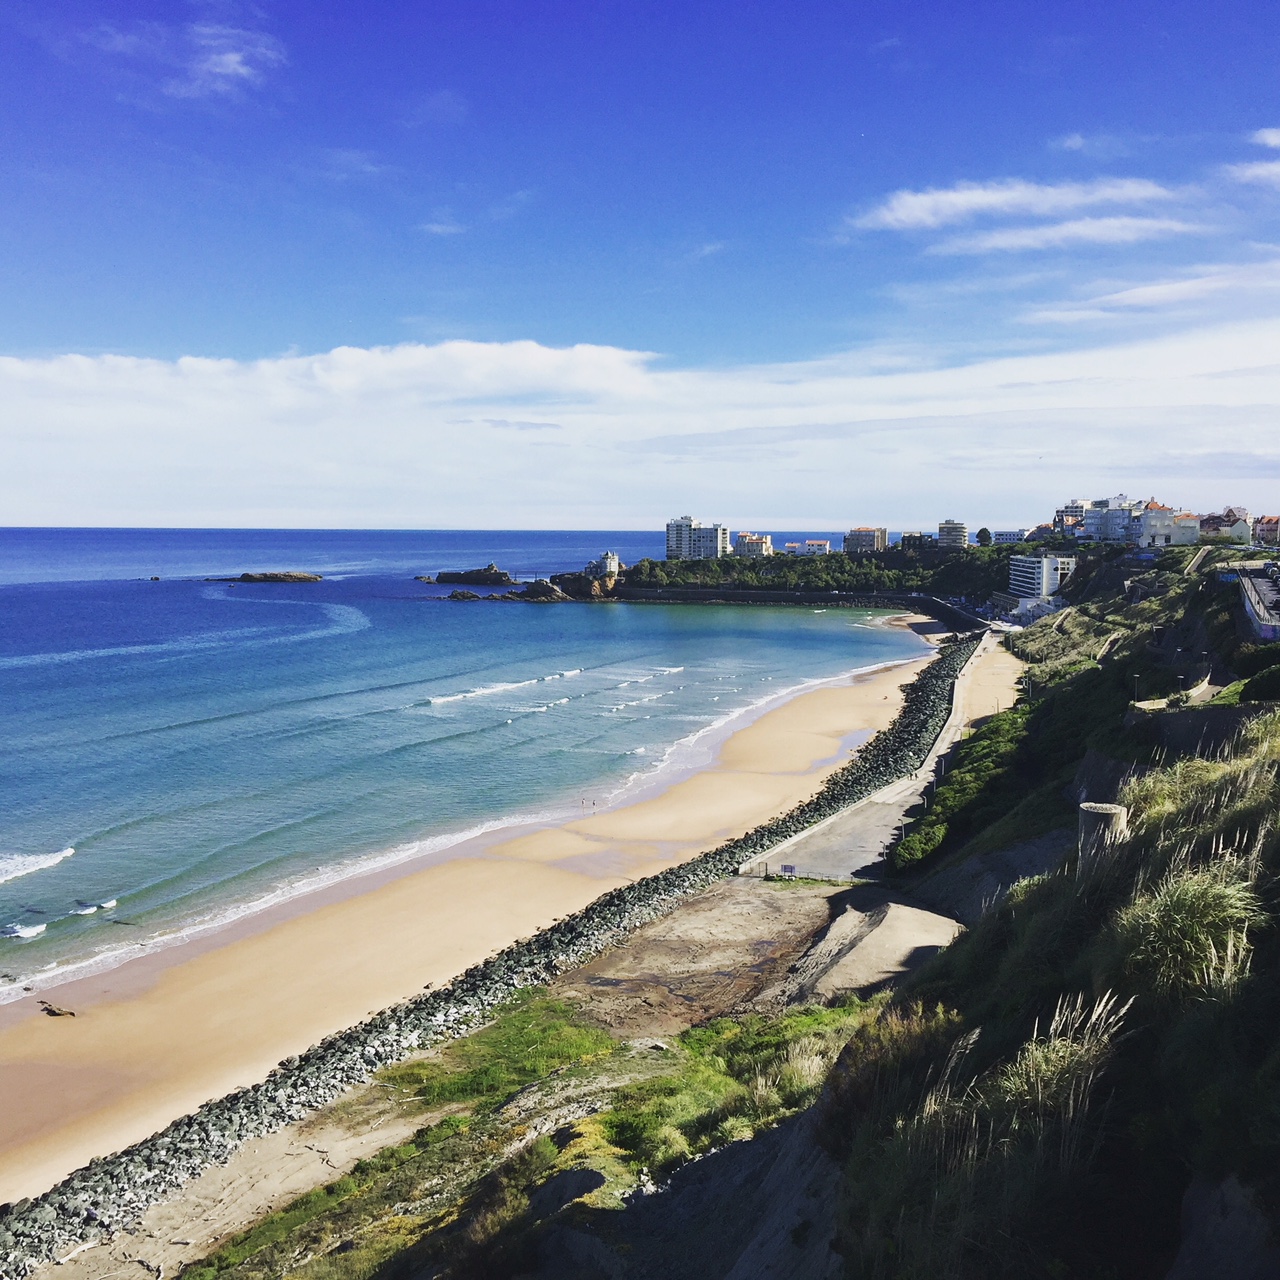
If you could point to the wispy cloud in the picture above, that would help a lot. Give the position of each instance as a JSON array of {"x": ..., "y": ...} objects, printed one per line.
[
  {"x": 1058, "y": 235},
  {"x": 506, "y": 424},
  {"x": 943, "y": 206},
  {"x": 708, "y": 250},
  {"x": 199, "y": 60},
  {"x": 1267, "y": 137},
  {"x": 1266, "y": 172},
  {"x": 1164, "y": 295},
  {"x": 443, "y": 223},
  {"x": 342, "y": 164},
  {"x": 224, "y": 60},
  {"x": 1103, "y": 146}
]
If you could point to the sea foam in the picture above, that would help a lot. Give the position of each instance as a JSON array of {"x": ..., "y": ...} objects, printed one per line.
[{"x": 14, "y": 865}]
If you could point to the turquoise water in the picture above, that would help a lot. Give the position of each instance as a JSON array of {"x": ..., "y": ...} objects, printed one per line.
[{"x": 206, "y": 749}]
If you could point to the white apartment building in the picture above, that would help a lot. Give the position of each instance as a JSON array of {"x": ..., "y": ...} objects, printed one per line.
[
  {"x": 809, "y": 547},
  {"x": 865, "y": 538},
  {"x": 1008, "y": 537},
  {"x": 1161, "y": 526},
  {"x": 690, "y": 539},
  {"x": 953, "y": 533},
  {"x": 1111, "y": 519},
  {"x": 752, "y": 544},
  {"x": 1038, "y": 577}
]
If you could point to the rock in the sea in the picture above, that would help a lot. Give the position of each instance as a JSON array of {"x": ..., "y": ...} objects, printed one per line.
[
  {"x": 463, "y": 595},
  {"x": 489, "y": 576},
  {"x": 285, "y": 576}
]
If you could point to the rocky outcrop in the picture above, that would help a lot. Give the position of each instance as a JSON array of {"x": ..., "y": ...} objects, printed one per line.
[
  {"x": 584, "y": 586},
  {"x": 287, "y": 575},
  {"x": 489, "y": 576},
  {"x": 465, "y": 595},
  {"x": 110, "y": 1194}
]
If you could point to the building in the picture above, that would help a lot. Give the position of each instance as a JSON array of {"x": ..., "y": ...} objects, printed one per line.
[
  {"x": 752, "y": 544},
  {"x": 1110, "y": 520},
  {"x": 953, "y": 533},
  {"x": 1069, "y": 515},
  {"x": 1039, "y": 576},
  {"x": 1007, "y": 537},
  {"x": 690, "y": 539},
  {"x": 1266, "y": 531},
  {"x": 1234, "y": 523},
  {"x": 809, "y": 547},
  {"x": 1161, "y": 526},
  {"x": 1033, "y": 582},
  {"x": 608, "y": 566},
  {"x": 865, "y": 538},
  {"x": 915, "y": 541}
]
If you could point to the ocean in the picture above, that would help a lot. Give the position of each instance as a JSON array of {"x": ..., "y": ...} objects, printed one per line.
[{"x": 176, "y": 753}]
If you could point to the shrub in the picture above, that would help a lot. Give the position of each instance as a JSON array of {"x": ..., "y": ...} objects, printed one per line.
[
  {"x": 1264, "y": 687},
  {"x": 1189, "y": 936}
]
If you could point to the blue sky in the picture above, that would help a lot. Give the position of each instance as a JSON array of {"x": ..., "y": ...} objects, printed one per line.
[{"x": 748, "y": 192}]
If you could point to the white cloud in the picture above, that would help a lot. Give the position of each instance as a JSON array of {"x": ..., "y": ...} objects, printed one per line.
[
  {"x": 1057, "y": 235},
  {"x": 1267, "y": 137},
  {"x": 372, "y": 437},
  {"x": 942, "y": 206},
  {"x": 199, "y": 60},
  {"x": 443, "y": 223},
  {"x": 223, "y": 61},
  {"x": 1266, "y": 172}
]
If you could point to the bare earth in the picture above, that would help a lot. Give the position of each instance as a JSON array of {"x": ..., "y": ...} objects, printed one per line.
[{"x": 157, "y": 1037}]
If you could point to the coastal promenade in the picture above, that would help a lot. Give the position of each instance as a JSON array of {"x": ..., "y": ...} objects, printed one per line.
[{"x": 848, "y": 842}]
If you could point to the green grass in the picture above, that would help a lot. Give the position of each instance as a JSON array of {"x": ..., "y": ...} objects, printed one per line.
[
  {"x": 530, "y": 1039},
  {"x": 535, "y": 1036},
  {"x": 736, "y": 1076}
]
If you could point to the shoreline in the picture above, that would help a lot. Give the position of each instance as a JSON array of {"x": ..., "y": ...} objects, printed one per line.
[
  {"x": 159, "y": 1035},
  {"x": 681, "y": 760}
]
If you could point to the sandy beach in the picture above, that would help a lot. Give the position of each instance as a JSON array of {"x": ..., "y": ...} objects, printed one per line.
[{"x": 154, "y": 1038}]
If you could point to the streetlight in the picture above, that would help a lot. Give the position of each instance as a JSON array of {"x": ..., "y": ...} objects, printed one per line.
[{"x": 1136, "y": 678}]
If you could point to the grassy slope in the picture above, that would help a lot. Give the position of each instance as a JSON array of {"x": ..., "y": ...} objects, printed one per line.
[
  {"x": 1007, "y": 779},
  {"x": 1038, "y": 1099},
  {"x": 456, "y": 1198}
]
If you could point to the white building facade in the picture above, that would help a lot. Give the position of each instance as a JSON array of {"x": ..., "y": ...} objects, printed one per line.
[
  {"x": 690, "y": 539},
  {"x": 1038, "y": 577},
  {"x": 752, "y": 544},
  {"x": 953, "y": 533},
  {"x": 1161, "y": 526},
  {"x": 809, "y": 547},
  {"x": 1008, "y": 537}
]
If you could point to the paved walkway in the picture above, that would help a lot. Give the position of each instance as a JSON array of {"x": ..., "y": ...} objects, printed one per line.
[{"x": 848, "y": 842}]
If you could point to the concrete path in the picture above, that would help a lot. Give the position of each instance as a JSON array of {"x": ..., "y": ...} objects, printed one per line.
[{"x": 845, "y": 844}]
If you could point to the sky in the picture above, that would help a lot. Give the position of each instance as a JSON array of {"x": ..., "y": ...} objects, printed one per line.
[{"x": 592, "y": 265}]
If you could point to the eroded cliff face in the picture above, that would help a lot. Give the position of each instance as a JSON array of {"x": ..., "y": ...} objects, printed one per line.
[{"x": 582, "y": 586}]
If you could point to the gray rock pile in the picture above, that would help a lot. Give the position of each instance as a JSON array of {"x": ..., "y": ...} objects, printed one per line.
[{"x": 112, "y": 1194}]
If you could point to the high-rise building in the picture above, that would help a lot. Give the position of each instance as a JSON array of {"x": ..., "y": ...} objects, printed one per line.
[
  {"x": 953, "y": 533},
  {"x": 1033, "y": 582},
  {"x": 690, "y": 539},
  {"x": 865, "y": 538},
  {"x": 752, "y": 544}
]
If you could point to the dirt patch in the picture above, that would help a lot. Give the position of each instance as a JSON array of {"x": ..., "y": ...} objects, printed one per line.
[{"x": 712, "y": 955}]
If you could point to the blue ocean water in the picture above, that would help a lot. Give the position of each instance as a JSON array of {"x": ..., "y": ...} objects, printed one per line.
[{"x": 207, "y": 747}]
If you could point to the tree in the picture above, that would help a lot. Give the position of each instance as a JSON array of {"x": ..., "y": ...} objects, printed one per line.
[{"x": 984, "y": 537}]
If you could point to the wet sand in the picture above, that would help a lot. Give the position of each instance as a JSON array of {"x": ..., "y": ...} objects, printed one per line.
[{"x": 158, "y": 1036}]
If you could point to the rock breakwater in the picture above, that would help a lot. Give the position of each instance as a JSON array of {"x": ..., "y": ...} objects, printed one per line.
[{"x": 112, "y": 1193}]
